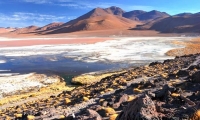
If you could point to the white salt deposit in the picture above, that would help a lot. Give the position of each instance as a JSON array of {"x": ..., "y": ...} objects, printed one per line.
[
  {"x": 11, "y": 84},
  {"x": 126, "y": 50},
  {"x": 118, "y": 50}
]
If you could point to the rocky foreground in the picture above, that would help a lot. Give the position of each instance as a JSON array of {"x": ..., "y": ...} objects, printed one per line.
[{"x": 168, "y": 90}]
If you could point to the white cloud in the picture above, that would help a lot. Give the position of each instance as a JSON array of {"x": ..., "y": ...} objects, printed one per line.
[
  {"x": 18, "y": 16},
  {"x": 83, "y": 4},
  {"x": 22, "y": 19},
  {"x": 38, "y": 1},
  {"x": 46, "y": 1}
]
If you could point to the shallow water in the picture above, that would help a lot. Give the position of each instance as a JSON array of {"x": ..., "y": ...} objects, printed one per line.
[
  {"x": 76, "y": 59},
  {"x": 66, "y": 68}
]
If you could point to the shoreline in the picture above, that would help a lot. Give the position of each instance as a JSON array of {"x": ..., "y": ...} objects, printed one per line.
[
  {"x": 110, "y": 75},
  {"x": 125, "y": 83}
]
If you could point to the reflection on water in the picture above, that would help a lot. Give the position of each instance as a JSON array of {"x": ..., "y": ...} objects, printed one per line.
[
  {"x": 75, "y": 59},
  {"x": 60, "y": 65}
]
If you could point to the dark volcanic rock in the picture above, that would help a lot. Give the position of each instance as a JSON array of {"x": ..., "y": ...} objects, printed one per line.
[
  {"x": 196, "y": 77},
  {"x": 142, "y": 108},
  {"x": 183, "y": 73}
]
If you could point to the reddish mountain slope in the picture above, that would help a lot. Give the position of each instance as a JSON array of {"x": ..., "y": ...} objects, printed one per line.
[
  {"x": 149, "y": 24},
  {"x": 97, "y": 19},
  {"x": 6, "y": 30},
  {"x": 50, "y": 26}
]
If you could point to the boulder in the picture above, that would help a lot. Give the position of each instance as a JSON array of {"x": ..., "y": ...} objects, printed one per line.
[
  {"x": 94, "y": 115},
  {"x": 196, "y": 77},
  {"x": 142, "y": 108}
]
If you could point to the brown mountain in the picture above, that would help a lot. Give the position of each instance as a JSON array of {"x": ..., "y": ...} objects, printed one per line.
[
  {"x": 149, "y": 24},
  {"x": 133, "y": 14},
  {"x": 50, "y": 26},
  {"x": 97, "y": 19},
  {"x": 148, "y": 16},
  {"x": 183, "y": 14},
  {"x": 144, "y": 16},
  {"x": 178, "y": 24},
  {"x": 115, "y": 10}
]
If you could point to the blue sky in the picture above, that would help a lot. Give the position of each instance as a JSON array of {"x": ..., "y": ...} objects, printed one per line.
[{"x": 22, "y": 13}]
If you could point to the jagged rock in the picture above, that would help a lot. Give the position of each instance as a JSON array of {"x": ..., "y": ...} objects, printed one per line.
[
  {"x": 142, "y": 108},
  {"x": 162, "y": 93},
  {"x": 124, "y": 98},
  {"x": 93, "y": 114},
  {"x": 196, "y": 77},
  {"x": 182, "y": 73}
]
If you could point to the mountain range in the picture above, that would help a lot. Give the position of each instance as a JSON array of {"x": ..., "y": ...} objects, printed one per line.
[{"x": 116, "y": 18}]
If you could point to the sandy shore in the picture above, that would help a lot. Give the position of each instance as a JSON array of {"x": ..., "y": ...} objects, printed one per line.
[{"x": 191, "y": 47}]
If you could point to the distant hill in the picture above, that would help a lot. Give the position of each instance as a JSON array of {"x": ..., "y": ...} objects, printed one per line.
[
  {"x": 28, "y": 29},
  {"x": 178, "y": 24},
  {"x": 133, "y": 14},
  {"x": 6, "y": 30},
  {"x": 152, "y": 15},
  {"x": 144, "y": 16},
  {"x": 50, "y": 26},
  {"x": 115, "y": 10},
  {"x": 183, "y": 14},
  {"x": 148, "y": 25}
]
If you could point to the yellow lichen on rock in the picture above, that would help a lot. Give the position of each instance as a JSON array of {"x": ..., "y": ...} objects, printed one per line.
[
  {"x": 131, "y": 98},
  {"x": 113, "y": 117},
  {"x": 8, "y": 118},
  {"x": 53, "y": 88},
  {"x": 90, "y": 78},
  {"x": 85, "y": 99},
  {"x": 67, "y": 100},
  {"x": 18, "y": 115},
  {"x": 137, "y": 90},
  {"x": 164, "y": 75},
  {"x": 62, "y": 117},
  {"x": 175, "y": 95},
  {"x": 30, "y": 117},
  {"x": 109, "y": 89},
  {"x": 110, "y": 110},
  {"x": 196, "y": 115}
]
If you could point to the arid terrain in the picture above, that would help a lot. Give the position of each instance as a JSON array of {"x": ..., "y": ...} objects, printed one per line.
[
  {"x": 58, "y": 100},
  {"x": 106, "y": 64}
]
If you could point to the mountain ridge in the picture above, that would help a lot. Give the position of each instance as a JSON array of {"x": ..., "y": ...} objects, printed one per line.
[{"x": 116, "y": 18}]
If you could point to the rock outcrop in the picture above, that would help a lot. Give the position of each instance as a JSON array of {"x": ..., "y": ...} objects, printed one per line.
[{"x": 142, "y": 107}]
